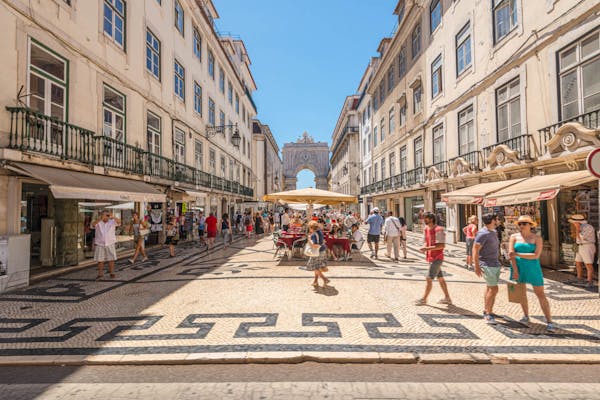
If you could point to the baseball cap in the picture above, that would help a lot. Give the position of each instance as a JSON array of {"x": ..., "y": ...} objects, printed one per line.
[{"x": 375, "y": 210}]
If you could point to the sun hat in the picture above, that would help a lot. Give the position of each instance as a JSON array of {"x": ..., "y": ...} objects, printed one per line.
[
  {"x": 578, "y": 218},
  {"x": 528, "y": 219}
]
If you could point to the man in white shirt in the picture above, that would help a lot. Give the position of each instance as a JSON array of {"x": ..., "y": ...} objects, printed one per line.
[
  {"x": 392, "y": 235},
  {"x": 104, "y": 242},
  {"x": 357, "y": 237},
  {"x": 285, "y": 220},
  {"x": 586, "y": 248}
]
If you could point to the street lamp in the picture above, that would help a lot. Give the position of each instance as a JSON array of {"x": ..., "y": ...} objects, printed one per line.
[{"x": 235, "y": 137}]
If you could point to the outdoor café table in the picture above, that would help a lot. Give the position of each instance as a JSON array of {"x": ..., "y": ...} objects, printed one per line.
[
  {"x": 343, "y": 242},
  {"x": 290, "y": 238}
]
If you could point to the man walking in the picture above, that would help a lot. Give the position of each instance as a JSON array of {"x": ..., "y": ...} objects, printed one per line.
[
  {"x": 392, "y": 235},
  {"x": 104, "y": 240},
  {"x": 211, "y": 230},
  {"x": 586, "y": 249},
  {"x": 375, "y": 222},
  {"x": 201, "y": 227},
  {"x": 487, "y": 263},
  {"x": 435, "y": 241}
]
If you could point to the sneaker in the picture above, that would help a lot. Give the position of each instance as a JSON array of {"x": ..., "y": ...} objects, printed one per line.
[
  {"x": 489, "y": 319},
  {"x": 132, "y": 261},
  {"x": 145, "y": 259},
  {"x": 420, "y": 302},
  {"x": 589, "y": 285},
  {"x": 445, "y": 301},
  {"x": 372, "y": 254},
  {"x": 525, "y": 321},
  {"x": 551, "y": 327},
  {"x": 580, "y": 282}
]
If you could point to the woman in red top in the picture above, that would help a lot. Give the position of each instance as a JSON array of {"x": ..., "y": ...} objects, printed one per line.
[{"x": 470, "y": 232}]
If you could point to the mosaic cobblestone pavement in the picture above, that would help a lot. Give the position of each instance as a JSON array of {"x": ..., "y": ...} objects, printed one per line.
[{"x": 241, "y": 303}]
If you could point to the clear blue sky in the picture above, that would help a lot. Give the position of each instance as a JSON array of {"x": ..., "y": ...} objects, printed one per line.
[{"x": 307, "y": 56}]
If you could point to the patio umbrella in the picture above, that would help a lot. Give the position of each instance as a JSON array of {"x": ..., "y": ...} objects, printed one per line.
[{"x": 311, "y": 196}]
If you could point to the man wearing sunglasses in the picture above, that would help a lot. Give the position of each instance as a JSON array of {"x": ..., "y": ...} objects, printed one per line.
[{"x": 487, "y": 264}]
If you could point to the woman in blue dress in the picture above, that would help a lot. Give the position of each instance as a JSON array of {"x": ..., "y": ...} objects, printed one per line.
[{"x": 525, "y": 249}]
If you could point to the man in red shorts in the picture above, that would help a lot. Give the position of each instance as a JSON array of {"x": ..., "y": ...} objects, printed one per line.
[{"x": 211, "y": 230}]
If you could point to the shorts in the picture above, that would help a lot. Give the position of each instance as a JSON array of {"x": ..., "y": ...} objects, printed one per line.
[
  {"x": 105, "y": 253},
  {"x": 211, "y": 234},
  {"x": 435, "y": 269},
  {"x": 585, "y": 253},
  {"x": 372, "y": 238},
  {"x": 491, "y": 275},
  {"x": 248, "y": 228},
  {"x": 171, "y": 240},
  {"x": 470, "y": 242},
  {"x": 201, "y": 232}
]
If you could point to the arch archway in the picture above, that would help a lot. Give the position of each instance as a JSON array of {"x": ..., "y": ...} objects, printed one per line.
[{"x": 305, "y": 154}]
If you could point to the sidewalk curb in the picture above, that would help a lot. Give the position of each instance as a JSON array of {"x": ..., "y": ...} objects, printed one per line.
[{"x": 297, "y": 358}]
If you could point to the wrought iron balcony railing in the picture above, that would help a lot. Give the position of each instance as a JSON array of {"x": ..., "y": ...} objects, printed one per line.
[
  {"x": 473, "y": 158},
  {"x": 590, "y": 120},
  {"x": 34, "y": 132},
  {"x": 522, "y": 144}
]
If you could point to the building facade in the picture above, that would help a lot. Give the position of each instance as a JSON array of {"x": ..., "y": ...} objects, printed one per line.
[
  {"x": 268, "y": 166},
  {"x": 365, "y": 110},
  {"x": 344, "y": 175},
  {"x": 109, "y": 105},
  {"x": 510, "y": 100}
]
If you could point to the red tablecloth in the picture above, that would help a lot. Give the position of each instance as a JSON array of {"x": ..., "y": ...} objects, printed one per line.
[
  {"x": 344, "y": 243},
  {"x": 289, "y": 239}
]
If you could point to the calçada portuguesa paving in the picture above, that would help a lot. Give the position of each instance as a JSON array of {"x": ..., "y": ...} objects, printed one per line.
[{"x": 243, "y": 305}]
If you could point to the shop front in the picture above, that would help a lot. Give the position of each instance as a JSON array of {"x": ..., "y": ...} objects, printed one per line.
[
  {"x": 58, "y": 207},
  {"x": 414, "y": 211}
]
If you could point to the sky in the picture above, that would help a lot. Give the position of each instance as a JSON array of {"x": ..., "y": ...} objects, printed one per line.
[{"x": 307, "y": 56}]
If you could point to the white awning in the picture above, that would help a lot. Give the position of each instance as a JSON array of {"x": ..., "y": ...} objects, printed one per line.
[
  {"x": 67, "y": 184},
  {"x": 198, "y": 195},
  {"x": 537, "y": 188},
  {"x": 475, "y": 194}
]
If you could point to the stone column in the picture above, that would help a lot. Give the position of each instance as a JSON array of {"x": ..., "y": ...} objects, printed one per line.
[
  {"x": 290, "y": 183},
  {"x": 68, "y": 231},
  {"x": 321, "y": 183}
]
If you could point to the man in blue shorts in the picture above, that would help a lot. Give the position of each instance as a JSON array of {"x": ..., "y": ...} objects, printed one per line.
[
  {"x": 375, "y": 222},
  {"x": 487, "y": 264}
]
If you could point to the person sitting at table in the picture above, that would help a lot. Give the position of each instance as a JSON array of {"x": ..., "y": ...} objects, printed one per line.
[{"x": 357, "y": 239}]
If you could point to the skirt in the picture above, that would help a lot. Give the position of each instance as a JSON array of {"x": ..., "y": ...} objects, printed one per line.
[{"x": 315, "y": 263}]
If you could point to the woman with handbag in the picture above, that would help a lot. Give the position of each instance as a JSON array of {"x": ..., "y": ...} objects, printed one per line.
[
  {"x": 172, "y": 235},
  {"x": 137, "y": 229},
  {"x": 316, "y": 251},
  {"x": 525, "y": 249}
]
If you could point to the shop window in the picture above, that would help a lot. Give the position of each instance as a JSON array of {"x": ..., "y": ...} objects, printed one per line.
[
  {"x": 580, "y": 77},
  {"x": 508, "y": 110}
]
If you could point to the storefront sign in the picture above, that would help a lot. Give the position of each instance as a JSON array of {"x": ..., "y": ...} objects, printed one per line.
[
  {"x": 463, "y": 199},
  {"x": 519, "y": 198},
  {"x": 593, "y": 162}
]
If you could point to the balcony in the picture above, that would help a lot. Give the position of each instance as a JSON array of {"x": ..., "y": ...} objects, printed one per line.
[
  {"x": 37, "y": 133},
  {"x": 587, "y": 121},
  {"x": 437, "y": 170},
  {"x": 415, "y": 176},
  {"x": 465, "y": 163},
  {"x": 513, "y": 150}
]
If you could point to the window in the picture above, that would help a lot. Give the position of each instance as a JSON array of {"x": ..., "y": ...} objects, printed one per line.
[
  {"x": 198, "y": 155},
  {"x": 381, "y": 93},
  {"x": 375, "y": 172},
  {"x": 402, "y": 62},
  {"x": 505, "y": 17},
  {"x": 237, "y": 173},
  {"x": 152, "y": 54},
  {"x": 221, "y": 80},
  {"x": 244, "y": 145},
  {"x": 113, "y": 107},
  {"x": 179, "y": 78},
  {"x": 382, "y": 166},
  {"x": 466, "y": 131},
  {"x": 179, "y": 150},
  {"x": 211, "y": 64},
  {"x": 211, "y": 112},
  {"x": 403, "y": 160},
  {"x": 403, "y": 114},
  {"x": 375, "y": 137},
  {"x": 364, "y": 143},
  {"x": 243, "y": 112},
  {"x": 197, "y": 44},
  {"x": 579, "y": 67},
  {"x": 392, "y": 121},
  {"x": 508, "y": 110},
  {"x": 230, "y": 169},
  {"x": 237, "y": 104},
  {"x": 179, "y": 17},
  {"x": 197, "y": 98},
  {"x": 47, "y": 83},
  {"x": 368, "y": 142},
  {"x": 229, "y": 92},
  {"x": 416, "y": 41},
  {"x": 382, "y": 127},
  {"x": 438, "y": 143},
  {"x": 230, "y": 131},
  {"x": 436, "y": 77},
  {"x": 417, "y": 94},
  {"x": 365, "y": 178},
  {"x": 435, "y": 14},
  {"x": 376, "y": 100},
  {"x": 153, "y": 136},
  {"x": 223, "y": 167},
  {"x": 392, "y": 161},
  {"x": 390, "y": 79},
  {"x": 463, "y": 50},
  {"x": 114, "y": 21},
  {"x": 212, "y": 161},
  {"x": 418, "y": 146},
  {"x": 222, "y": 121}
]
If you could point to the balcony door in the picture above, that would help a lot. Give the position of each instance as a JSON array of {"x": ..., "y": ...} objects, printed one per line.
[{"x": 47, "y": 96}]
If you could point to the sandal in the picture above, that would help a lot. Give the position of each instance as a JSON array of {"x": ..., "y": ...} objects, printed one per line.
[
  {"x": 315, "y": 284},
  {"x": 420, "y": 302},
  {"x": 445, "y": 301},
  {"x": 99, "y": 277},
  {"x": 327, "y": 281},
  {"x": 112, "y": 276}
]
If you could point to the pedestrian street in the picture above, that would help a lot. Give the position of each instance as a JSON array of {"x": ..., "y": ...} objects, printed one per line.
[{"x": 241, "y": 305}]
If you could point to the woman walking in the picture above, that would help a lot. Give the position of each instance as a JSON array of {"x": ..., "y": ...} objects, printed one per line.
[
  {"x": 317, "y": 264},
  {"x": 226, "y": 230},
  {"x": 525, "y": 249},
  {"x": 470, "y": 232},
  {"x": 258, "y": 224},
  {"x": 248, "y": 224},
  {"x": 138, "y": 239},
  {"x": 172, "y": 235},
  {"x": 403, "y": 235}
]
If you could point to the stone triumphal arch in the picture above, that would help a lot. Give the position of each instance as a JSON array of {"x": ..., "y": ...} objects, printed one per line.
[{"x": 305, "y": 153}]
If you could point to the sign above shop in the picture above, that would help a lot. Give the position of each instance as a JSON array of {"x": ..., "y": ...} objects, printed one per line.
[{"x": 593, "y": 163}]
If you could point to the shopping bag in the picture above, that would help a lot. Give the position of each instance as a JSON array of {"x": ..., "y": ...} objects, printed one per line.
[{"x": 517, "y": 292}]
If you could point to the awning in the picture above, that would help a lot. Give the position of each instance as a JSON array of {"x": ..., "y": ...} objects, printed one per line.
[
  {"x": 536, "y": 188},
  {"x": 67, "y": 184},
  {"x": 475, "y": 194},
  {"x": 198, "y": 195}
]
